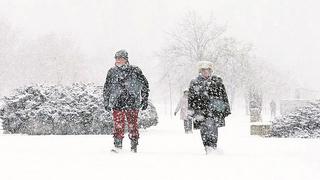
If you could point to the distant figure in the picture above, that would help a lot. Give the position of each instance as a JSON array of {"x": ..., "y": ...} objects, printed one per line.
[
  {"x": 273, "y": 108},
  {"x": 184, "y": 115},
  {"x": 208, "y": 102},
  {"x": 255, "y": 105},
  {"x": 126, "y": 90}
]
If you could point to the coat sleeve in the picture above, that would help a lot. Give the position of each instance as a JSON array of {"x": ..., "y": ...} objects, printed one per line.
[
  {"x": 224, "y": 95},
  {"x": 178, "y": 105},
  {"x": 107, "y": 89},
  {"x": 191, "y": 96},
  {"x": 145, "y": 85}
]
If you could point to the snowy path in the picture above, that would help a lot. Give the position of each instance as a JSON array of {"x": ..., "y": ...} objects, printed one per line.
[{"x": 165, "y": 152}]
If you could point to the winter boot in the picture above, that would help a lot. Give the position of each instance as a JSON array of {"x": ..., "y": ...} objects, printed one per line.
[
  {"x": 134, "y": 144},
  {"x": 116, "y": 150},
  {"x": 117, "y": 145},
  {"x": 210, "y": 149}
]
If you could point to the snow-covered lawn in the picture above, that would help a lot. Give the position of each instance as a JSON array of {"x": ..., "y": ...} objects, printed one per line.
[{"x": 165, "y": 152}]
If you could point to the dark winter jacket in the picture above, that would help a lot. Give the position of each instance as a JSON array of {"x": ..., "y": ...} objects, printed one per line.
[
  {"x": 208, "y": 99},
  {"x": 125, "y": 88}
]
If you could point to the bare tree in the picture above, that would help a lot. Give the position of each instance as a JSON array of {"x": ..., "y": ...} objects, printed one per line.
[
  {"x": 196, "y": 39},
  {"x": 192, "y": 41},
  {"x": 232, "y": 64}
]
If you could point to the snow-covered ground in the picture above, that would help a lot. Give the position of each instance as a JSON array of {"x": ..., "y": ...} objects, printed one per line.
[{"x": 165, "y": 152}]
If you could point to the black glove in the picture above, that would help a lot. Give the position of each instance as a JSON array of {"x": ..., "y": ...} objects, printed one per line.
[
  {"x": 196, "y": 124},
  {"x": 107, "y": 108},
  {"x": 144, "y": 104}
]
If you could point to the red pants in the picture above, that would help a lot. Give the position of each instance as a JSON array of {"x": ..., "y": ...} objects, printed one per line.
[{"x": 119, "y": 117}]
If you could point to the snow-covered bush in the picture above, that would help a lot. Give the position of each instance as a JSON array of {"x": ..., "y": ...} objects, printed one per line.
[
  {"x": 76, "y": 109},
  {"x": 304, "y": 122}
]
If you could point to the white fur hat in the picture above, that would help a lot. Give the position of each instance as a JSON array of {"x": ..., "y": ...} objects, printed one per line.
[{"x": 205, "y": 65}]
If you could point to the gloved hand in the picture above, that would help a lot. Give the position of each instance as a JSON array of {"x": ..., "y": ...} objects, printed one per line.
[
  {"x": 144, "y": 104},
  {"x": 107, "y": 108},
  {"x": 196, "y": 124}
]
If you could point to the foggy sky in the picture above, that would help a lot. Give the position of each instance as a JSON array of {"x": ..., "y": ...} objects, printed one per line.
[{"x": 284, "y": 32}]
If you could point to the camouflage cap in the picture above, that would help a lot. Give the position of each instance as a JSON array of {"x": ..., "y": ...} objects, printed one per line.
[{"x": 122, "y": 53}]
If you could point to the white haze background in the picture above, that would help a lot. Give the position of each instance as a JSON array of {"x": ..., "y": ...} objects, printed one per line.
[{"x": 283, "y": 32}]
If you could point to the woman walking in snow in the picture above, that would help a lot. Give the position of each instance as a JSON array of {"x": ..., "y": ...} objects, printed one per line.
[
  {"x": 184, "y": 115},
  {"x": 209, "y": 104}
]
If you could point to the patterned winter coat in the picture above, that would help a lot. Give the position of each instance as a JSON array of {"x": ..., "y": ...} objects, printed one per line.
[
  {"x": 125, "y": 87},
  {"x": 208, "y": 99}
]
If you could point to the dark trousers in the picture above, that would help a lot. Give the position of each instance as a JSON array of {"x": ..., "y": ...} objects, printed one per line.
[{"x": 209, "y": 132}]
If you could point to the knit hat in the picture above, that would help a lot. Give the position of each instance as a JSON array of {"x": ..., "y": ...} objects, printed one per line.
[
  {"x": 205, "y": 65},
  {"x": 122, "y": 53}
]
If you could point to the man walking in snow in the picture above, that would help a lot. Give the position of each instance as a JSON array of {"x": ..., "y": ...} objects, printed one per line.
[
  {"x": 209, "y": 104},
  {"x": 184, "y": 115},
  {"x": 126, "y": 90}
]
